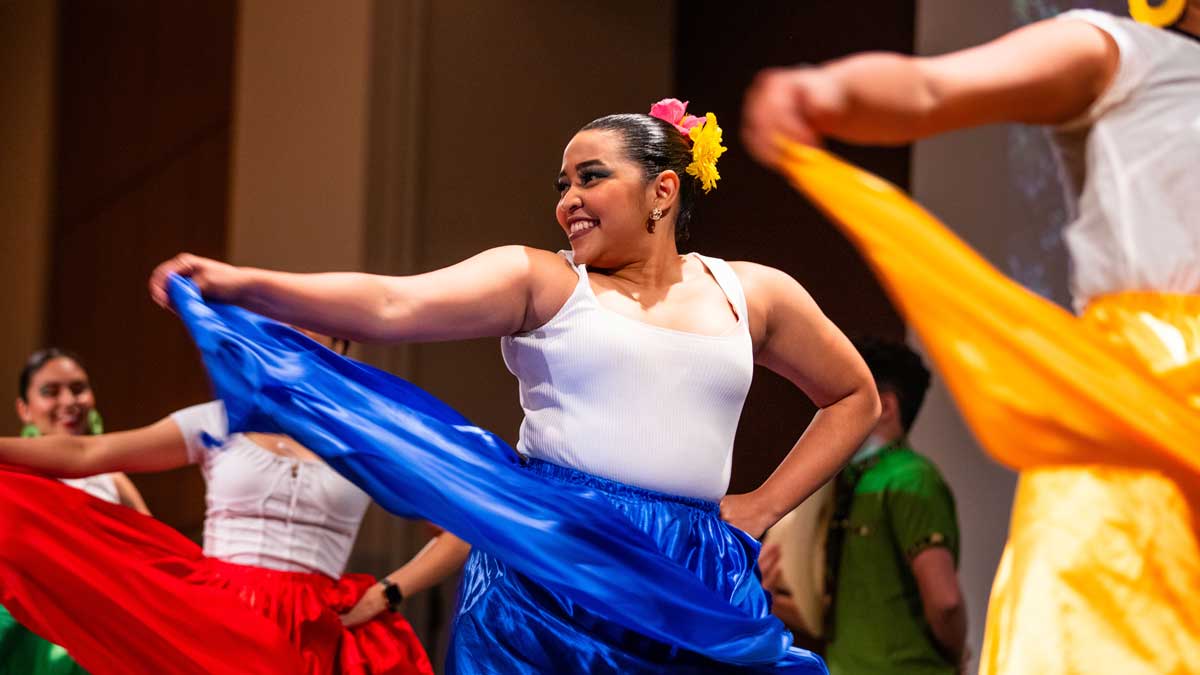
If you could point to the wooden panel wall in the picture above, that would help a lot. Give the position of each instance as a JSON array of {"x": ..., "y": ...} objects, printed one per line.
[{"x": 143, "y": 122}]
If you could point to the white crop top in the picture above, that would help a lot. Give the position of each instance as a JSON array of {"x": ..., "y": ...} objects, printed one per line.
[
  {"x": 632, "y": 402},
  {"x": 268, "y": 510},
  {"x": 1132, "y": 167}
]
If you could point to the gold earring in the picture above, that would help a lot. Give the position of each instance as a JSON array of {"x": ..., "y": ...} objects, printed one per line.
[
  {"x": 1165, "y": 14},
  {"x": 655, "y": 216}
]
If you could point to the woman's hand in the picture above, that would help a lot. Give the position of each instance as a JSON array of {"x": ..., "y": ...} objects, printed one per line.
[
  {"x": 215, "y": 279},
  {"x": 441, "y": 557},
  {"x": 368, "y": 607},
  {"x": 748, "y": 513},
  {"x": 780, "y": 106}
]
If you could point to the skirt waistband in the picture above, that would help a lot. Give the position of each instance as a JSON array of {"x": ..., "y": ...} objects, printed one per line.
[
  {"x": 242, "y": 572},
  {"x": 614, "y": 488}
]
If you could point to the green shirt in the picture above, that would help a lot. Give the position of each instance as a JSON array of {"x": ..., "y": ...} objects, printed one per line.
[
  {"x": 899, "y": 507},
  {"x": 23, "y": 653}
]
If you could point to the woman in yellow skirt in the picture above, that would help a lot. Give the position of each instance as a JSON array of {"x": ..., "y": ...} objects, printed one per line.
[{"x": 1100, "y": 412}]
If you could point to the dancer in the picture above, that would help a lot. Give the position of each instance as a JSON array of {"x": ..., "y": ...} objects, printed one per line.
[
  {"x": 278, "y": 531},
  {"x": 55, "y": 396},
  {"x": 1098, "y": 412},
  {"x": 633, "y": 363}
]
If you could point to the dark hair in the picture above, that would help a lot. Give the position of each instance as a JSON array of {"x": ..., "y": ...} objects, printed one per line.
[
  {"x": 657, "y": 146},
  {"x": 36, "y": 362},
  {"x": 897, "y": 369}
]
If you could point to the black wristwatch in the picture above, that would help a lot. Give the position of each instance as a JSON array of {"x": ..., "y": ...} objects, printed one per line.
[{"x": 392, "y": 593}]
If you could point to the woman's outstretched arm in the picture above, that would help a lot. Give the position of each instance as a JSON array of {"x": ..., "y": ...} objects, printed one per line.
[
  {"x": 157, "y": 447},
  {"x": 498, "y": 292},
  {"x": 1046, "y": 73}
]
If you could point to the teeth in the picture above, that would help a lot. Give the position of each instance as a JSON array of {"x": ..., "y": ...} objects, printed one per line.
[{"x": 581, "y": 225}]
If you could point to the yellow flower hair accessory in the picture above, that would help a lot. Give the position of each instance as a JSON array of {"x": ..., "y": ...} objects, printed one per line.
[{"x": 706, "y": 150}]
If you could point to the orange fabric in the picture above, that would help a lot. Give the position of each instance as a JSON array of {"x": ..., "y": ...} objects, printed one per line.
[{"x": 1101, "y": 414}]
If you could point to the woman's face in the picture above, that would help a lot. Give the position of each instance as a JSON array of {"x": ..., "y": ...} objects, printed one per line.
[
  {"x": 604, "y": 199},
  {"x": 58, "y": 399}
]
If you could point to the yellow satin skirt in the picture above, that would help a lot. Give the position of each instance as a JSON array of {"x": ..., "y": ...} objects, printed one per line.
[{"x": 1099, "y": 413}]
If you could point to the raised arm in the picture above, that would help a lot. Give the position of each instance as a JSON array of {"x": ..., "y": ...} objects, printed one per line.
[
  {"x": 794, "y": 338},
  {"x": 498, "y": 292},
  {"x": 158, "y": 447},
  {"x": 1045, "y": 73}
]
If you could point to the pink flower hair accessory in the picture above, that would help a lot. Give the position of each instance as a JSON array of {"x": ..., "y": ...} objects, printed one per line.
[
  {"x": 675, "y": 111},
  {"x": 703, "y": 134}
]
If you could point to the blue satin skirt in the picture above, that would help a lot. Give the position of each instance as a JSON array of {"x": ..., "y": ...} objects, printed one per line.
[
  {"x": 508, "y": 623},
  {"x": 571, "y": 573}
]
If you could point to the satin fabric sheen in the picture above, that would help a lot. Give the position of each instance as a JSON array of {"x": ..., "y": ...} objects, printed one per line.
[
  {"x": 307, "y": 606},
  {"x": 419, "y": 458},
  {"x": 69, "y": 572},
  {"x": 507, "y": 623},
  {"x": 124, "y": 593},
  {"x": 1100, "y": 413}
]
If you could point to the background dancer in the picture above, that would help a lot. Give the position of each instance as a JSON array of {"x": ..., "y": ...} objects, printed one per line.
[
  {"x": 55, "y": 396},
  {"x": 278, "y": 532},
  {"x": 1106, "y": 391}
]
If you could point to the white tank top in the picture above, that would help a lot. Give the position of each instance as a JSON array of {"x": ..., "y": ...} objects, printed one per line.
[{"x": 632, "y": 402}]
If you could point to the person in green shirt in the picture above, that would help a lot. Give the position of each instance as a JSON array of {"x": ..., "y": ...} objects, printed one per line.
[
  {"x": 24, "y": 653},
  {"x": 891, "y": 548}
]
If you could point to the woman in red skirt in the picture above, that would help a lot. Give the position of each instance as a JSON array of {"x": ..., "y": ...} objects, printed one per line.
[{"x": 125, "y": 593}]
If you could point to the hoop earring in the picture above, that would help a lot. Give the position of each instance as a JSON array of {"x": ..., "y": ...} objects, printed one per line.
[{"x": 1165, "y": 14}]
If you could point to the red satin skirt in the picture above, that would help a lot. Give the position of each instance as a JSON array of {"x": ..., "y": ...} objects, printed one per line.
[{"x": 125, "y": 593}]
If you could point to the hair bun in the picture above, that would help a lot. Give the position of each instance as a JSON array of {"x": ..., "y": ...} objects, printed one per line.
[{"x": 704, "y": 134}]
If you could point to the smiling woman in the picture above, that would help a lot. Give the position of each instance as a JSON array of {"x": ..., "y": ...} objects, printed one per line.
[
  {"x": 54, "y": 395},
  {"x": 633, "y": 362},
  {"x": 267, "y": 594},
  {"x": 55, "y": 398},
  {"x": 642, "y": 148}
]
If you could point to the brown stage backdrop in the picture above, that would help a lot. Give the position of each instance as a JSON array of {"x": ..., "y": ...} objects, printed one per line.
[
  {"x": 142, "y": 169},
  {"x": 753, "y": 214}
]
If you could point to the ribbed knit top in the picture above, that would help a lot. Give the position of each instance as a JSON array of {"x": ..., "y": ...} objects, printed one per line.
[{"x": 632, "y": 402}]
